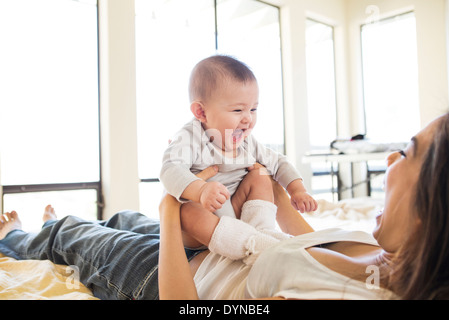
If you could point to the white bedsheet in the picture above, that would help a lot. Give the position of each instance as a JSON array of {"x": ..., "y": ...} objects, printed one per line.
[
  {"x": 348, "y": 214},
  {"x": 39, "y": 280}
]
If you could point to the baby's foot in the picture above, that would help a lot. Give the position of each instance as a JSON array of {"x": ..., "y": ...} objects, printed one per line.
[
  {"x": 49, "y": 214},
  {"x": 8, "y": 222}
]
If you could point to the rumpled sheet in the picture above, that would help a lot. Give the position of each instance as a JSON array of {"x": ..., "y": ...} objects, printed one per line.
[
  {"x": 348, "y": 214},
  {"x": 39, "y": 280}
]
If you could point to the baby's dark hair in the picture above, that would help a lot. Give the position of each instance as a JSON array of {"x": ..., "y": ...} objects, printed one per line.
[{"x": 210, "y": 73}]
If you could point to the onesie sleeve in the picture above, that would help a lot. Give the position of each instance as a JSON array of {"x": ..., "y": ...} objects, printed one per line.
[
  {"x": 277, "y": 164},
  {"x": 178, "y": 158}
]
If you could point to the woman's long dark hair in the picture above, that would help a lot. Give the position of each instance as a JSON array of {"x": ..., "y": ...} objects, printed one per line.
[{"x": 421, "y": 269}]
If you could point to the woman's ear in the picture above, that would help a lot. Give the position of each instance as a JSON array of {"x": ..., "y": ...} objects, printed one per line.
[{"x": 198, "y": 111}]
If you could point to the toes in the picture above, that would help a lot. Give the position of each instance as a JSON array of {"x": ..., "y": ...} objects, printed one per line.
[
  {"x": 8, "y": 217},
  {"x": 49, "y": 209},
  {"x": 13, "y": 215},
  {"x": 4, "y": 218}
]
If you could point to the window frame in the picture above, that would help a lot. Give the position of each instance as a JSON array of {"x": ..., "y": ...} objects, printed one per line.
[
  {"x": 95, "y": 185},
  {"x": 329, "y": 169}
]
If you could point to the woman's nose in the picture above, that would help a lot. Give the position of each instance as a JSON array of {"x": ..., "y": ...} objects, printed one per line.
[{"x": 392, "y": 157}]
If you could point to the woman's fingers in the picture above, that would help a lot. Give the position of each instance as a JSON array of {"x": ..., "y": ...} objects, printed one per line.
[
  {"x": 255, "y": 166},
  {"x": 207, "y": 173}
]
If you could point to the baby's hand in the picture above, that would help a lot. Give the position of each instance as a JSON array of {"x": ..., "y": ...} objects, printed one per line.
[
  {"x": 303, "y": 201},
  {"x": 213, "y": 195}
]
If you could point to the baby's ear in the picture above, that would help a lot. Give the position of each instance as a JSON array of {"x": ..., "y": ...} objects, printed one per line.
[{"x": 197, "y": 109}]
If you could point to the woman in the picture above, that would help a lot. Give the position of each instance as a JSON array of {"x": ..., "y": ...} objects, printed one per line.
[
  {"x": 411, "y": 257},
  {"x": 412, "y": 232}
]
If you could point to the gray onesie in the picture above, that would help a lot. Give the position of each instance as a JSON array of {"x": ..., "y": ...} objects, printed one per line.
[{"x": 191, "y": 151}]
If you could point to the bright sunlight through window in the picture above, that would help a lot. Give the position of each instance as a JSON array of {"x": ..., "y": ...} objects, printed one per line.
[
  {"x": 390, "y": 76},
  {"x": 49, "y": 102}
]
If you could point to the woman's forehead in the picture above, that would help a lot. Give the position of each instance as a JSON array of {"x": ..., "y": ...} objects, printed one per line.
[{"x": 424, "y": 138}]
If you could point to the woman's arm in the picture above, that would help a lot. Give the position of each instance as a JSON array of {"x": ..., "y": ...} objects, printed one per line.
[
  {"x": 175, "y": 280},
  {"x": 290, "y": 221}
]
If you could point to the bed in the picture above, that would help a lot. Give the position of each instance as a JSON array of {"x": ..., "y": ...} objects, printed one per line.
[
  {"x": 43, "y": 280},
  {"x": 39, "y": 280},
  {"x": 348, "y": 214}
]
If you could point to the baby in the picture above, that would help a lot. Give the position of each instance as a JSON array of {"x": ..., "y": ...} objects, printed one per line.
[{"x": 224, "y": 98}]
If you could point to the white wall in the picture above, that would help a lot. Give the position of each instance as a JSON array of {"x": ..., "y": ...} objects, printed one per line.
[
  {"x": 120, "y": 178},
  {"x": 295, "y": 91}
]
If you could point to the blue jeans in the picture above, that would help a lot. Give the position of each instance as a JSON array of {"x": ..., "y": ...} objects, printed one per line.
[{"x": 116, "y": 259}]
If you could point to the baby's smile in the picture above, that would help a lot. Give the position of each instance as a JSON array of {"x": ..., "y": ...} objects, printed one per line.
[{"x": 238, "y": 135}]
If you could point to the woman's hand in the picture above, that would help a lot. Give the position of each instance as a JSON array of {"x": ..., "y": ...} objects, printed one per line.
[
  {"x": 169, "y": 204},
  {"x": 175, "y": 279},
  {"x": 208, "y": 173}
]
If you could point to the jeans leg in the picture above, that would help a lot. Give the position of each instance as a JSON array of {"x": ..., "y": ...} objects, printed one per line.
[
  {"x": 114, "y": 264},
  {"x": 132, "y": 221},
  {"x": 139, "y": 223}
]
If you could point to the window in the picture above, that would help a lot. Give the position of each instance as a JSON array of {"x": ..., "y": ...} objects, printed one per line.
[
  {"x": 49, "y": 127},
  {"x": 390, "y": 78},
  {"x": 250, "y": 31},
  {"x": 321, "y": 101},
  {"x": 171, "y": 37}
]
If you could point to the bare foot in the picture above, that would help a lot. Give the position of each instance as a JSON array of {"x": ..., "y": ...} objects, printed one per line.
[
  {"x": 8, "y": 222},
  {"x": 49, "y": 214}
]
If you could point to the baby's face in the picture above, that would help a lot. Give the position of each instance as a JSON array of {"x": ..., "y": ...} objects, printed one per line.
[{"x": 231, "y": 114}]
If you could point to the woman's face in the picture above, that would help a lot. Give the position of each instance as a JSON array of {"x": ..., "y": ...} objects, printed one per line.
[{"x": 398, "y": 218}]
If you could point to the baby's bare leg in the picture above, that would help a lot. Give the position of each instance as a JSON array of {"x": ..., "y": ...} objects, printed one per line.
[
  {"x": 256, "y": 185},
  {"x": 198, "y": 224}
]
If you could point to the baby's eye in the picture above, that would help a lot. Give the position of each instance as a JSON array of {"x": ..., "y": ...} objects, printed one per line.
[
  {"x": 254, "y": 110},
  {"x": 237, "y": 110}
]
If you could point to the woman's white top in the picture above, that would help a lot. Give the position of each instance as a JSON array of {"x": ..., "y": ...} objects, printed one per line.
[{"x": 288, "y": 270}]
